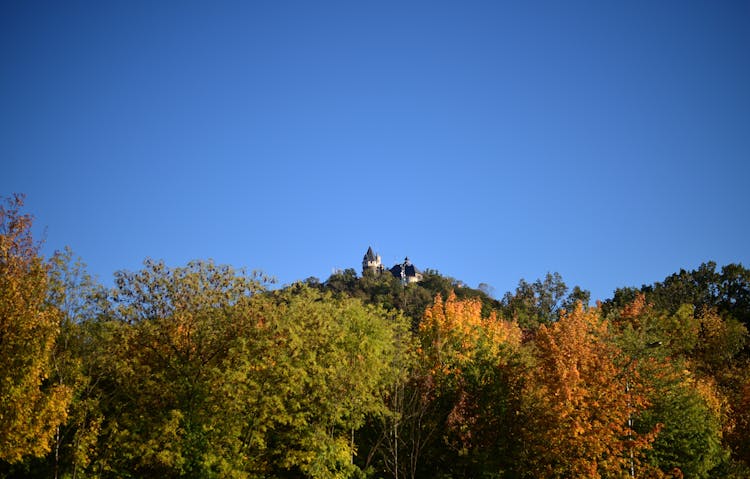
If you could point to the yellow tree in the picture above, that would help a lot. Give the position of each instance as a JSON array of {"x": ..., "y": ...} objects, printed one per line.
[
  {"x": 453, "y": 334},
  {"x": 578, "y": 403},
  {"x": 31, "y": 407},
  {"x": 470, "y": 365}
]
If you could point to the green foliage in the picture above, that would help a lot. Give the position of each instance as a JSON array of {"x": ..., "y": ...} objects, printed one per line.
[
  {"x": 541, "y": 302},
  {"x": 690, "y": 436},
  {"x": 195, "y": 372},
  {"x": 383, "y": 289},
  {"x": 726, "y": 291},
  {"x": 334, "y": 360},
  {"x": 686, "y": 402},
  {"x": 161, "y": 350}
]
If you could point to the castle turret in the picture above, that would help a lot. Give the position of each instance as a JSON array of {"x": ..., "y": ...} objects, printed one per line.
[{"x": 371, "y": 262}]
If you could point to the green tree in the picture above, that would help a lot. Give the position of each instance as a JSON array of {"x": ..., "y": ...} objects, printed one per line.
[
  {"x": 734, "y": 292},
  {"x": 726, "y": 291},
  {"x": 202, "y": 374},
  {"x": 383, "y": 289},
  {"x": 162, "y": 355},
  {"x": 685, "y": 400},
  {"x": 343, "y": 282},
  {"x": 688, "y": 414},
  {"x": 540, "y": 302},
  {"x": 333, "y": 362}
]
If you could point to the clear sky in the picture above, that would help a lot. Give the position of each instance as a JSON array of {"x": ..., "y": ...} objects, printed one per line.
[{"x": 492, "y": 141}]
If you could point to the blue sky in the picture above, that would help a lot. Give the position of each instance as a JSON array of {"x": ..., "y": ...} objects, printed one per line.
[{"x": 492, "y": 141}]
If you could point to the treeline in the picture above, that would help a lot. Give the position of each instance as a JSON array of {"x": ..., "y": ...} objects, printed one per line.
[{"x": 205, "y": 371}]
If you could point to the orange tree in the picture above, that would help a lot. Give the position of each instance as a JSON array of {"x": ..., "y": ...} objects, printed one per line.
[{"x": 578, "y": 403}]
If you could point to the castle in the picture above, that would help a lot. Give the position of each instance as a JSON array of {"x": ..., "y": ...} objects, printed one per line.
[{"x": 406, "y": 272}]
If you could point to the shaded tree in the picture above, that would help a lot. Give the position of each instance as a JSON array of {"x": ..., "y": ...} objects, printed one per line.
[{"x": 343, "y": 282}]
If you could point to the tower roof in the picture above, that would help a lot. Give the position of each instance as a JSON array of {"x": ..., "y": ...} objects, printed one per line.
[{"x": 370, "y": 256}]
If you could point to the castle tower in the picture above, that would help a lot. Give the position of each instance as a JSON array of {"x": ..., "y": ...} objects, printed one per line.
[{"x": 371, "y": 262}]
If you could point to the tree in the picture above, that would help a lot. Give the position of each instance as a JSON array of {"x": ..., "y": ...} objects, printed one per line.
[
  {"x": 727, "y": 291},
  {"x": 164, "y": 354},
  {"x": 688, "y": 413},
  {"x": 740, "y": 435},
  {"x": 541, "y": 302},
  {"x": 734, "y": 292},
  {"x": 79, "y": 299},
  {"x": 31, "y": 407},
  {"x": 203, "y": 374},
  {"x": 343, "y": 282},
  {"x": 578, "y": 402},
  {"x": 328, "y": 367},
  {"x": 470, "y": 366},
  {"x": 684, "y": 396}
]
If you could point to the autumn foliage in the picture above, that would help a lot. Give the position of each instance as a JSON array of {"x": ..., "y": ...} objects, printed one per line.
[
  {"x": 31, "y": 407},
  {"x": 454, "y": 334},
  {"x": 580, "y": 400},
  {"x": 205, "y": 371}
]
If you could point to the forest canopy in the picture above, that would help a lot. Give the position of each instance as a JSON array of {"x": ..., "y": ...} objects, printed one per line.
[{"x": 204, "y": 370}]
